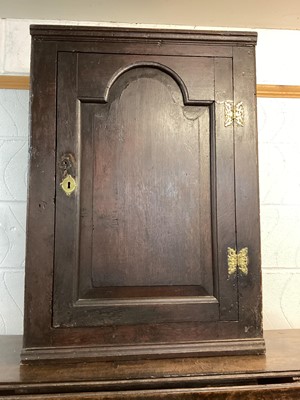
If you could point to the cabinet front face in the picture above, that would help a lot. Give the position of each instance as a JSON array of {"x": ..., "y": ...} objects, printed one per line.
[
  {"x": 143, "y": 220},
  {"x": 143, "y": 236}
]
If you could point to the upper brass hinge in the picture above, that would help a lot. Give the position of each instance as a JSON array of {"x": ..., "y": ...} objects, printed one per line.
[
  {"x": 234, "y": 113},
  {"x": 237, "y": 261}
]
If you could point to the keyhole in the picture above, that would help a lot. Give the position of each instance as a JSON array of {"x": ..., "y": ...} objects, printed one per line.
[{"x": 68, "y": 185}]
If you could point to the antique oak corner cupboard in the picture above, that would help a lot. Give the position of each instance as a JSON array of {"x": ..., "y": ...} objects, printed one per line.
[{"x": 143, "y": 218}]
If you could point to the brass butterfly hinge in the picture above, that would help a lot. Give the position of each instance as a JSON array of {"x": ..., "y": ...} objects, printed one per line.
[
  {"x": 237, "y": 261},
  {"x": 234, "y": 113}
]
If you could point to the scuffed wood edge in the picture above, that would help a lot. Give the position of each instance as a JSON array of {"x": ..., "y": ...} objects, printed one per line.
[{"x": 270, "y": 91}]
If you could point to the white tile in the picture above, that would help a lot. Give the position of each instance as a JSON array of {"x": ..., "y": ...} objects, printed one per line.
[
  {"x": 281, "y": 300},
  {"x": 278, "y": 120},
  {"x": 279, "y": 173},
  {"x": 14, "y": 113},
  {"x": 12, "y": 235},
  {"x": 280, "y": 236},
  {"x": 11, "y": 302},
  {"x": 17, "y": 46},
  {"x": 18, "y": 43},
  {"x": 2, "y": 40},
  {"x": 272, "y": 173},
  {"x": 13, "y": 169},
  {"x": 279, "y": 149},
  {"x": 277, "y": 61}
]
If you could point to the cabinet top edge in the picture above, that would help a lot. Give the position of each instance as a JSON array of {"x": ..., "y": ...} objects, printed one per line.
[{"x": 69, "y": 32}]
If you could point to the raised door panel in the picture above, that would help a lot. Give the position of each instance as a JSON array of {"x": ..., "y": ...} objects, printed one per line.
[{"x": 143, "y": 238}]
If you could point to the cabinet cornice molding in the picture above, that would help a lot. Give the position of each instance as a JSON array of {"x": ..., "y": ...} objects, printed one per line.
[{"x": 90, "y": 33}]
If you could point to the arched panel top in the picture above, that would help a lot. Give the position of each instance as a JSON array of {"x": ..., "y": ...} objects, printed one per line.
[
  {"x": 97, "y": 73},
  {"x": 149, "y": 64}
]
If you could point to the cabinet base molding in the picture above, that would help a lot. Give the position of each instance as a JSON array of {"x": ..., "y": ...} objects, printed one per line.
[
  {"x": 273, "y": 376},
  {"x": 213, "y": 348}
]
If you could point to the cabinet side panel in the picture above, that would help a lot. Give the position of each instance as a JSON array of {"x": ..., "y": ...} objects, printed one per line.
[
  {"x": 247, "y": 196},
  {"x": 41, "y": 191}
]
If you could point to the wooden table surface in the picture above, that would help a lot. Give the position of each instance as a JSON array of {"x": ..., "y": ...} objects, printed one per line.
[{"x": 280, "y": 365}]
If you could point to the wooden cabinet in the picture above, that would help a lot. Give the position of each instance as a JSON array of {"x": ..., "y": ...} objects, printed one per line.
[{"x": 143, "y": 218}]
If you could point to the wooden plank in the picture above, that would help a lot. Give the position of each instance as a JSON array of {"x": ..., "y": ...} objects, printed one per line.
[
  {"x": 14, "y": 82},
  {"x": 270, "y": 91},
  {"x": 278, "y": 91},
  {"x": 288, "y": 391}
]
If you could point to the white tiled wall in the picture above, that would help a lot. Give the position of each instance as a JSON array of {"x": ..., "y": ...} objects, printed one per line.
[
  {"x": 279, "y": 156},
  {"x": 13, "y": 170}
]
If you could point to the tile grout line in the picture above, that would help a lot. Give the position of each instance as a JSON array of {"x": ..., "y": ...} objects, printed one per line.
[
  {"x": 12, "y": 202},
  {"x": 280, "y": 270},
  {"x": 13, "y": 138},
  {"x": 11, "y": 269}
]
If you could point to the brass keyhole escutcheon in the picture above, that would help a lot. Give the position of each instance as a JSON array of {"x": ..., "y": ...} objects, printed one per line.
[{"x": 68, "y": 185}]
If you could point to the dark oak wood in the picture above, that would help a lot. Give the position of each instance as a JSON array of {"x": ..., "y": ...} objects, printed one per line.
[
  {"x": 247, "y": 198},
  {"x": 133, "y": 264},
  {"x": 274, "y": 375},
  {"x": 41, "y": 199},
  {"x": 89, "y": 33}
]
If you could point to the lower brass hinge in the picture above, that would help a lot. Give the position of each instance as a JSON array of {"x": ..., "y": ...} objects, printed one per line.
[{"x": 237, "y": 261}]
